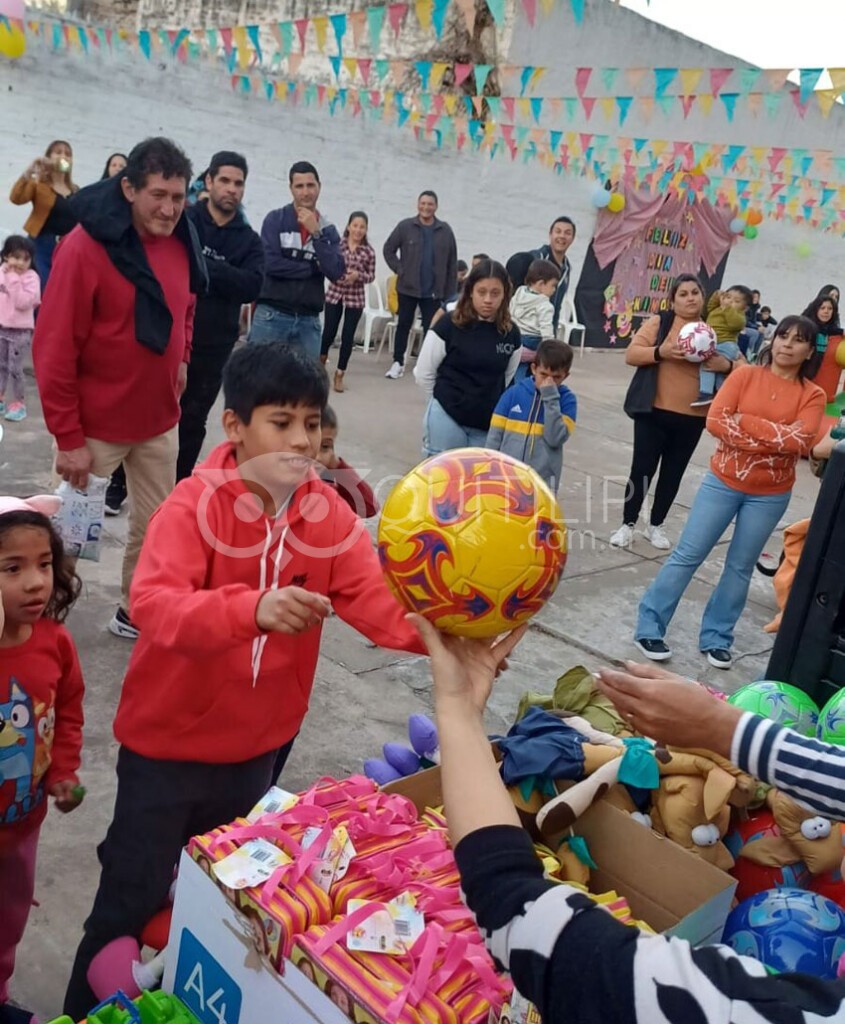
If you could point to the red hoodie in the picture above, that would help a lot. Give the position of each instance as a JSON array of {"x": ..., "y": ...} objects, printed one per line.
[{"x": 204, "y": 682}]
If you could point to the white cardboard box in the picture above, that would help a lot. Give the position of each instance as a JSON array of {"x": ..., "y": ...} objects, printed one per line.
[{"x": 214, "y": 967}]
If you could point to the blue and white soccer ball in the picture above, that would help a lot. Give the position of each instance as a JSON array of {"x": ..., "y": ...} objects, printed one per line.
[{"x": 789, "y": 930}]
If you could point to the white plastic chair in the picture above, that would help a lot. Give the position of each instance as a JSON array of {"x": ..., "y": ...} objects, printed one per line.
[
  {"x": 567, "y": 323},
  {"x": 374, "y": 310},
  {"x": 415, "y": 336}
]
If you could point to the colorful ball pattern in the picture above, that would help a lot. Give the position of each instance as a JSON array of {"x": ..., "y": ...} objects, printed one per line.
[
  {"x": 473, "y": 540},
  {"x": 784, "y": 704},
  {"x": 697, "y": 341},
  {"x": 789, "y": 930},
  {"x": 831, "y": 725},
  {"x": 752, "y": 878}
]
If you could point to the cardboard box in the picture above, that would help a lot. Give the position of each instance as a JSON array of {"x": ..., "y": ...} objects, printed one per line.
[
  {"x": 674, "y": 891},
  {"x": 214, "y": 965}
]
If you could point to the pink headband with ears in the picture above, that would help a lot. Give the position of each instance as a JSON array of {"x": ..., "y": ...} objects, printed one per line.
[{"x": 47, "y": 504}]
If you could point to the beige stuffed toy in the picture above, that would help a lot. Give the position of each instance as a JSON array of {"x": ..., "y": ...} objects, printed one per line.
[{"x": 804, "y": 836}]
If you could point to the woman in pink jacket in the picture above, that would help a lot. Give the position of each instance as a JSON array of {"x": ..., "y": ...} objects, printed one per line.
[{"x": 20, "y": 293}]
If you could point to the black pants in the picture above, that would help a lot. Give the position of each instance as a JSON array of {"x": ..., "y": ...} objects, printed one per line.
[
  {"x": 405, "y": 321},
  {"x": 205, "y": 374},
  {"x": 664, "y": 439},
  {"x": 159, "y": 806},
  {"x": 331, "y": 321}
]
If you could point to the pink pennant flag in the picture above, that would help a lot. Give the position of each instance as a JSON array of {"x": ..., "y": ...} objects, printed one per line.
[
  {"x": 462, "y": 73},
  {"x": 437, "y": 103},
  {"x": 395, "y": 16},
  {"x": 686, "y": 103},
  {"x": 586, "y": 140},
  {"x": 507, "y": 133},
  {"x": 226, "y": 36},
  {"x": 508, "y": 103},
  {"x": 718, "y": 77},
  {"x": 294, "y": 62},
  {"x": 799, "y": 106},
  {"x": 777, "y": 154},
  {"x": 321, "y": 94},
  {"x": 530, "y": 8},
  {"x": 582, "y": 78},
  {"x": 302, "y": 29},
  {"x": 588, "y": 102},
  {"x": 364, "y": 66}
]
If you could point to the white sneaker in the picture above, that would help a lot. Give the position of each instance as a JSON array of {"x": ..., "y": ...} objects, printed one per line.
[
  {"x": 395, "y": 372},
  {"x": 656, "y": 536},
  {"x": 623, "y": 538}
]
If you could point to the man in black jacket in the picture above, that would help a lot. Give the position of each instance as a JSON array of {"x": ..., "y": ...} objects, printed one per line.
[
  {"x": 234, "y": 258},
  {"x": 423, "y": 252}
]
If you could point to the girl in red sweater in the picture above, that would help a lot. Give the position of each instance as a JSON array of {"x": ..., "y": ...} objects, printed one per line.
[
  {"x": 40, "y": 706},
  {"x": 764, "y": 418}
]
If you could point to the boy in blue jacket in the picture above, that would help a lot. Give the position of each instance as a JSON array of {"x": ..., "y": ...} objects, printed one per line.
[{"x": 536, "y": 417}]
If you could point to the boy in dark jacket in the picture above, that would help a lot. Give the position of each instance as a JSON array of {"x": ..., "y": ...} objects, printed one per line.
[
  {"x": 536, "y": 417},
  {"x": 301, "y": 250}
]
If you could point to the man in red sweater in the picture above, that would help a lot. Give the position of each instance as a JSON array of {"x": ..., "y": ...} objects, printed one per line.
[{"x": 113, "y": 337}]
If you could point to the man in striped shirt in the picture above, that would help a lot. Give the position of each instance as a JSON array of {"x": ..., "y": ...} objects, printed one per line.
[{"x": 574, "y": 961}]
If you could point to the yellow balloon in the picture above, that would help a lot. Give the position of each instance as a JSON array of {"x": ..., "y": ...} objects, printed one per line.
[
  {"x": 12, "y": 42},
  {"x": 617, "y": 203}
]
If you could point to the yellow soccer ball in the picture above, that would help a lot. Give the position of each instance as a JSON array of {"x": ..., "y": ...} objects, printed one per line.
[{"x": 473, "y": 540}]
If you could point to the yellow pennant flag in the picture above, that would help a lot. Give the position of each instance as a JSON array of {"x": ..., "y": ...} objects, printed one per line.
[
  {"x": 826, "y": 98},
  {"x": 351, "y": 65},
  {"x": 321, "y": 28},
  {"x": 239, "y": 39},
  {"x": 523, "y": 105},
  {"x": 658, "y": 147},
  {"x": 438, "y": 70},
  {"x": 450, "y": 102},
  {"x": 608, "y": 107},
  {"x": 837, "y": 78},
  {"x": 705, "y": 102},
  {"x": 690, "y": 77},
  {"x": 423, "y": 9}
]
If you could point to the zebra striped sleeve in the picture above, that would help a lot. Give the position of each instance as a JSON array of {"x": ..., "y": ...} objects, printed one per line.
[{"x": 811, "y": 772}]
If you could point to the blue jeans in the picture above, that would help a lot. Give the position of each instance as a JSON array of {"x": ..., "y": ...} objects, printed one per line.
[
  {"x": 749, "y": 343},
  {"x": 441, "y": 433},
  {"x": 300, "y": 330},
  {"x": 715, "y": 507},
  {"x": 709, "y": 381},
  {"x": 44, "y": 247}
]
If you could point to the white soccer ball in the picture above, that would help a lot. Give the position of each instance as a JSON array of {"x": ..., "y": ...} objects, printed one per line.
[{"x": 697, "y": 341}]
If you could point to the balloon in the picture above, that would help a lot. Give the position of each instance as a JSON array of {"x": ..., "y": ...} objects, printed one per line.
[
  {"x": 750, "y": 231},
  {"x": 737, "y": 226},
  {"x": 617, "y": 203},
  {"x": 12, "y": 42},
  {"x": 600, "y": 197},
  {"x": 754, "y": 217}
]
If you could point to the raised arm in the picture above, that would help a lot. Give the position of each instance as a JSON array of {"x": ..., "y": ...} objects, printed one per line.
[{"x": 558, "y": 415}]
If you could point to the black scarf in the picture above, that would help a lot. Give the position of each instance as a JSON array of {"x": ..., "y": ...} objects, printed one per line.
[{"x": 105, "y": 214}]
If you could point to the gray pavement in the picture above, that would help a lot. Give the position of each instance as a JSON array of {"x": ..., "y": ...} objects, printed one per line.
[{"x": 363, "y": 696}]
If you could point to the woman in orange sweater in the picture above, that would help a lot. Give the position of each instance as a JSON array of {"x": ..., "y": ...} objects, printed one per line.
[
  {"x": 48, "y": 184},
  {"x": 667, "y": 427},
  {"x": 765, "y": 418}
]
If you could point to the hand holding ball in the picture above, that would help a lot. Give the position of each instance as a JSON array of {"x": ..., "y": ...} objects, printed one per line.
[{"x": 697, "y": 342}]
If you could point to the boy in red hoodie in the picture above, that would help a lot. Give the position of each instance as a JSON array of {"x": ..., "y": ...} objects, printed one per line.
[{"x": 239, "y": 568}]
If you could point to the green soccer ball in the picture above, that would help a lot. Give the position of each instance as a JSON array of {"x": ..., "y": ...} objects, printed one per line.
[
  {"x": 831, "y": 727},
  {"x": 784, "y": 704}
]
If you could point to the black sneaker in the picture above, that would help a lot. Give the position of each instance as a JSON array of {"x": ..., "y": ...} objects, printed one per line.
[
  {"x": 654, "y": 650},
  {"x": 121, "y": 625},
  {"x": 719, "y": 657},
  {"x": 116, "y": 492}
]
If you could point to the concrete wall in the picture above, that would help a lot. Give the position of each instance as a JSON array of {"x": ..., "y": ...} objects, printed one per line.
[{"x": 498, "y": 206}]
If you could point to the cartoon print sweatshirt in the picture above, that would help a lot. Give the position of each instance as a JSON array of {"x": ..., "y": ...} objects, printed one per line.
[{"x": 41, "y": 693}]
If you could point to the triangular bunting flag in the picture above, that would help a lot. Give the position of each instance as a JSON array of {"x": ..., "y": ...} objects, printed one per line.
[
  {"x": 666, "y": 104},
  {"x": 462, "y": 72},
  {"x": 705, "y": 102},
  {"x": 509, "y": 105},
  {"x": 571, "y": 104},
  {"x": 799, "y": 104},
  {"x": 646, "y": 104},
  {"x": 776, "y": 77},
  {"x": 690, "y": 77},
  {"x": 809, "y": 78},
  {"x": 686, "y": 104},
  {"x": 772, "y": 101},
  {"x": 336, "y": 62},
  {"x": 481, "y": 73},
  {"x": 536, "y": 104},
  {"x": 382, "y": 69},
  {"x": 826, "y": 98},
  {"x": 364, "y": 65},
  {"x": 438, "y": 70},
  {"x": 663, "y": 78},
  {"x": 755, "y": 102},
  {"x": 302, "y": 31},
  {"x": 729, "y": 100},
  {"x": 608, "y": 106},
  {"x": 837, "y": 78},
  {"x": 321, "y": 28},
  {"x": 582, "y": 78},
  {"x": 718, "y": 77},
  {"x": 748, "y": 78},
  {"x": 496, "y": 8},
  {"x": 339, "y": 25},
  {"x": 588, "y": 102},
  {"x": 375, "y": 21},
  {"x": 424, "y": 10},
  {"x": 608, "y": 78},
  {"x": 530, "y": 8},
  {"x": 254, "y": 33},
  {"x": 357, "y": 20},
  {"x": 635, "y": 76},
  {"x": 467, "y": 8},
  {"x": 623, "y": 105},
  {"x": 423, "y": 69}
]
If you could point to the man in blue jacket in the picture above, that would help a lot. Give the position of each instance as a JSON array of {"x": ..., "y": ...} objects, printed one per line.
[{"x": 301, "y": 249}]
